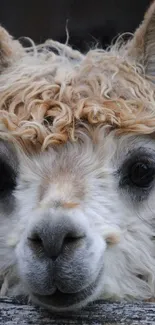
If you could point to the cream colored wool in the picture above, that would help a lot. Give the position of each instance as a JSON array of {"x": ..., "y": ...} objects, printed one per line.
[
  {"x": 45, "y": 98},
  {"x": 76, "y": 120}
]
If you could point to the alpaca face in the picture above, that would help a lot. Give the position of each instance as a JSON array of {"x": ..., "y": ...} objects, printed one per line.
[
  {"x": 81, "y": 226},
  {"x": 77, "y": 217}
]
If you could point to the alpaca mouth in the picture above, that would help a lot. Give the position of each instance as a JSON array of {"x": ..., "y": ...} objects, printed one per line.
[{"x": 62, "y": 301}]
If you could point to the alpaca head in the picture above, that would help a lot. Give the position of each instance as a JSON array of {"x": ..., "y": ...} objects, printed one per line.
[{"x": 77, "y": 171}]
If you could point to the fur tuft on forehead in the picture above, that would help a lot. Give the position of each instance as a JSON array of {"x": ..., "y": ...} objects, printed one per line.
[
  {"x": 52, "y": 92},
  {"x": 47, "y": 97}
]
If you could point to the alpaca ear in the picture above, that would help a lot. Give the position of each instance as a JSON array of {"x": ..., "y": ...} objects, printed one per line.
[
  {"x": 10, "y": 50},
  {"x": 142, "y": 46}
]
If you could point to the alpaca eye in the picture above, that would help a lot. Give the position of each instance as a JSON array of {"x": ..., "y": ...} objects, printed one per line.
[
  {"x": 137, "y": 174},
  {"x": 7, "y": 179},
  {"x": 141, "y": 174}
]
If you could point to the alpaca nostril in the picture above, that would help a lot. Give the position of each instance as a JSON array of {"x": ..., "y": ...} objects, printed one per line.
[
  {"x": 71, "y": 239},
  {"x": 35, "y": 239},
  {"x": 54, "y": 240}
]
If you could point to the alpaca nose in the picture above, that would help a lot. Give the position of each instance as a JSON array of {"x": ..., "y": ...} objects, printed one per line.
[{"x": 53, "y": 239}]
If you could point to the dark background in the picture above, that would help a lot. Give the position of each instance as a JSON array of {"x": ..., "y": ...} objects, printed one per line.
[{"x": 88, "y": 21}]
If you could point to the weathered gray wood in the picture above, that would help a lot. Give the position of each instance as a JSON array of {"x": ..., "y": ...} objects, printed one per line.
[{"x": 18, "y": 312}]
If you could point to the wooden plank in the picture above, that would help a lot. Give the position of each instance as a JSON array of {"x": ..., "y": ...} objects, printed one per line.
[{"x": 19, "y": 312}]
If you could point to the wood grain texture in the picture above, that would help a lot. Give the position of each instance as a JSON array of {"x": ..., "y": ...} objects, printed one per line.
[{"x": 19, "y": 312}]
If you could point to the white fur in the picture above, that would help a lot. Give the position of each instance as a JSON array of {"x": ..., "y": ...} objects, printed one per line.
[{"x": 104, "y": 210}]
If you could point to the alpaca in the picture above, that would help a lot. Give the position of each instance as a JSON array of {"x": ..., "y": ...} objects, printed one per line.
[{"x": 77, "y": 171}]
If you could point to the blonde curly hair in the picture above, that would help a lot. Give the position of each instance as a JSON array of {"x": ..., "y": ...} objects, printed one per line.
[{"x": 50, "y": 93}]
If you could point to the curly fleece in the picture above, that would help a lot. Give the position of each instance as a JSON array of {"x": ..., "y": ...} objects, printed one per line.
[{"x": 52, "y": 92}]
